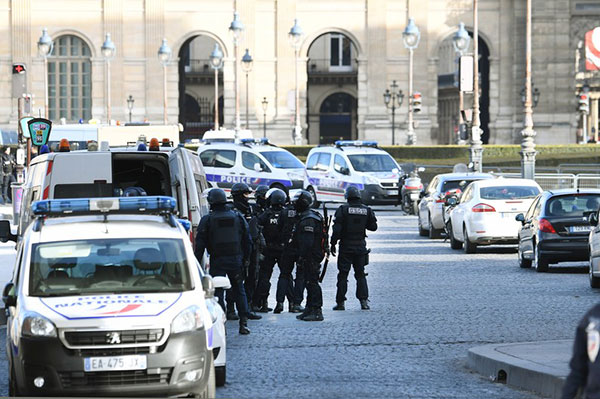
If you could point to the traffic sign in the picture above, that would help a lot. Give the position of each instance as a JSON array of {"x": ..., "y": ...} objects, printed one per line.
[
  {"x": 24, "y": 127},
  {"x": 39, "y": 129},
  {"x": 18, "y": 69}
]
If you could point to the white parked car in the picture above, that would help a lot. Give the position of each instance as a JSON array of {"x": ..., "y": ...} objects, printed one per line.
[{"x": 486, "y": 212}]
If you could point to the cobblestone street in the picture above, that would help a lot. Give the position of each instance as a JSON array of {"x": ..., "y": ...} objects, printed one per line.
[{"x": 429, "y": 305}]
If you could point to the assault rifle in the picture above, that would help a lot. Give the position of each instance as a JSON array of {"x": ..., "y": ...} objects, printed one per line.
[{"x": 327, "y": 223}]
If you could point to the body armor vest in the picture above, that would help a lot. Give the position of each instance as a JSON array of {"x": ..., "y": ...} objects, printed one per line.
[{"x": 225, "y": 234}]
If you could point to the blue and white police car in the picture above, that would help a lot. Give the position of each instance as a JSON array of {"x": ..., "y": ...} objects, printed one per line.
[
  {"x": 251, "y": 161},
  {"x": 330, "y": 170},
  {"x": 107, "y": 299}
]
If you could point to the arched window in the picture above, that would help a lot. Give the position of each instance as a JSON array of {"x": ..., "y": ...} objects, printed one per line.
[{"x": 70, "y": 80}]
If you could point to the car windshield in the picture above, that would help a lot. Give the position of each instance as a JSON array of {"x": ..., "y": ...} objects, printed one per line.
[
  {"x": 110, "y": 266},
  {"x": 572, "y": 205},
  {"x": 282, "y": 159},
  {"x": 372, "y": 162},
  {"x": 508, "y": 192}
]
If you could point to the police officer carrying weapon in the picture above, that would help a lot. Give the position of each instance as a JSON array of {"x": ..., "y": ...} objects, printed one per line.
[
  {"x": 309, "y": 240},
  {"x": 260, "y": 196},
  {"x": 349, "y": 228},
  {"x": 585, "y": 363},
  {"x": 273, "y": 251},
  {"x": 224, "y": 234}
]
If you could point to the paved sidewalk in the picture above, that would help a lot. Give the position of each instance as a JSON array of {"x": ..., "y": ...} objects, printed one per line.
[{"x": 540, "y": 367}]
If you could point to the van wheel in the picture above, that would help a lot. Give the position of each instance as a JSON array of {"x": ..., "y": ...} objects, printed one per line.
[
  {"x": 210, "y": 390},
  {"x": 315, "y": 203},
  {"x": 220, "y": 375}
]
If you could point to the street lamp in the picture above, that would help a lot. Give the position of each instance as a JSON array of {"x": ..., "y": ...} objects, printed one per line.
[
  {"x": 476, "y": 150},
  {"x": 235, "y": 29},
  {"x": 130, "y": 102},
  {"x": 391, "y": 98},
  {"x": 528, "y": 134},
  {"x": 295, "y": 36},
  {"x": 247, "y": 67},
  {"x": 216, "y": 62},
  {"x": 45, "y": 46},
  {"x": 164, "y": 56},
  {"x": 265, "y": 104},
  {"x": 108, "y": 51},
  {"x": 461, "y": 41},
  {"x": 410, "y": 36},
  {"x": 535, "y": 94}
]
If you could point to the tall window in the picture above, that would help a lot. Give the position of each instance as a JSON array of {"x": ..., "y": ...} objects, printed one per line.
[
  {"x": 340, "y": 53},
  {"x": 70, "y": 80}
]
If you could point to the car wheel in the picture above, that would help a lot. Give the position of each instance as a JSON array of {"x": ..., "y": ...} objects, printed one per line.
[
  {"x": 220, "y": 375},
  {"x": 415, "y": 208},
  {"x": 315, "y": 203},
  {"x": 468, "y": 246},
  {"x": 594, "y": 281},
  {"x": 454, "y": 243},
  {"x": 422, "y": 231},
  {"x": 539, "y": 262},
  {"x": 433, "y": 232},
  {"x": 210, "y": 390},
  {"x": 523, "y": 263}
]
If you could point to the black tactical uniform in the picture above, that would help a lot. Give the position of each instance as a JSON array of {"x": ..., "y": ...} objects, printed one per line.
[
  {"x": 349, "y": 227},
  {"x": 308, "y": 240},
  {"x": 8, "y": 164},
  {"x": 260, "y": 196},
  {"x": 287, "y": 223},
  {"x": 585, "y": 363},
  {"x": 269, "y": 222},
  {"x": 224, "y": 234}
]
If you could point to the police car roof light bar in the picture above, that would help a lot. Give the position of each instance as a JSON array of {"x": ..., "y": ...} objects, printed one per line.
[
  {"x": 262, "y": 140},
  {"x": 355, "y": 143},
  {"x": 66, "y": 207}
]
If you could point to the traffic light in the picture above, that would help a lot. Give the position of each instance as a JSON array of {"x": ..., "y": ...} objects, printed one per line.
[
  {"x": 416, "y": 101},
  {"x": 584, "y": 103}
]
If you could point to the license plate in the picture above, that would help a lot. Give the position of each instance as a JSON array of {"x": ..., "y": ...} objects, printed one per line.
[
  {"x": 114, "y": 363},
  {"x": 392, "y": 192},
  {"x": 580, "y": 229},
  {"x": 414, "y": 196}
]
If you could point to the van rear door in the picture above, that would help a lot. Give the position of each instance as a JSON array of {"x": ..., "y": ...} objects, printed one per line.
[
  {"x": 196, "y": 183},
  {"x": 178, "y": 184},
  {"x": 81, "y": 175}
]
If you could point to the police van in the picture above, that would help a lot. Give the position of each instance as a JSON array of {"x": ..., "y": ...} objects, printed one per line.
[
  {"x": 331, "y": 169},
  {"x": 107, "y": 299},
  {"x": 251, "y": 161}
]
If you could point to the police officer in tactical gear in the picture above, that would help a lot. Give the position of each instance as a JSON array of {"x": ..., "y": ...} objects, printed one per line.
[
  {"x": 241, "y": 193},
  {"x": 308, "y": 240},
  {"x": 585, "y": 363},
  {"x": 260, "y": 195},
  {"x": 224, "y": 234},
  {"x": 349, "y": 228},
  {"x": 272, "y": 252}
]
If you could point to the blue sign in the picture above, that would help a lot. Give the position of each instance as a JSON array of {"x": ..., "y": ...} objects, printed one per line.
[{"x": 39, "y": 130}]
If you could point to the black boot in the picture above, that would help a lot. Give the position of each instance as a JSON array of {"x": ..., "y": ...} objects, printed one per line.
[
  {"x": 254, "y": 316},
  {"x": 264, "y": 308},
  {"x": 316, "y": 315},
  {"x": 307, "y": 312},
  {"x": 232, "y": 316},
  {"x": 296, "y": 308},
  {"x": 244, "y": 326},
  {"x": 278, "y": 307},
  {"x": 364, "y": 304},
  {"x": 339, "y": 306}
]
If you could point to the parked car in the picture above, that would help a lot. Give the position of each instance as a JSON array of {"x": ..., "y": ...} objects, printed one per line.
[
  {"x": 430, "y": 218},
  {"x": 594, "y": 249},
  {"x": 486, "y": 212},
  {"x": 556, "y": 229}
]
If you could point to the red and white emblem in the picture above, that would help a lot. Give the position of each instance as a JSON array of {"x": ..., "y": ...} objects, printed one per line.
[
  {"x": 592, "y": 50},
  {"x": 593, "y": 341}
]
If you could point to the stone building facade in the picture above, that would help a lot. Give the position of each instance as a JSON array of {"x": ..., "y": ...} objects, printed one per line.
[{"x": 350, "y": 53}]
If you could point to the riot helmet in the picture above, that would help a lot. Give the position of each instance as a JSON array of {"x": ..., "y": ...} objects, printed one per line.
[
  {"x": 276, "y": 197},
  {"x": 261, "y": 195},
  {"x": 352, "y": 193},
  {"x": 239, "y": 189},
  {"x": 216, "y": 196},
  {"x": 302, "y": 200}
]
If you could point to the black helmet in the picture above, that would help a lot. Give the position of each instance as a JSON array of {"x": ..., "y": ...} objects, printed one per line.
[
  {"x": 352, "y": 193},
  {"x": 216, "y": 196},
  {"x": 240, "y": 189},
  {"x": 276, "y": 197},
  {"x": 261, "y": 191},
  {"x": 302, "y": 200}
]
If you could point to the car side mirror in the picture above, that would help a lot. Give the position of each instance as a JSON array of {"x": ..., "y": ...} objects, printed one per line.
[
  {"x": 221, "y": 282},
  {"x": 592, "y": 217},
  {"x": 451, "y": 201},
  {"x": 5, "y": 232},
  {"x": 344, "y": 170},
  {"x": 520, "y": 218},
  {"x": 8, "y": 295},
  {"x": 208, "y": 286},
  {"x": 257, "y": 167}
]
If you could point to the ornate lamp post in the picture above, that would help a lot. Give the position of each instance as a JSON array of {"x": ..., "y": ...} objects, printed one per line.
[
  {"x": 265, "y": 105},
  {"x": 461, "y": 41},
  {"x": 108, "y": 51},
  {"x": 528, "y": 134},
  {"x": 164, "y": 56},
  {"x": 410, "y": 36},
  {"x": 216, "y": 62},
  {"x": 236, "y": 28},
  {"x": 391, "y": 98},
  {"x": 295, "y": 35},
  {"x": 130, "y": 102},
  {"x": 476, "y": 144},
  {"x": 45, "y": 46},
  {"x": 247, "y": 67}
]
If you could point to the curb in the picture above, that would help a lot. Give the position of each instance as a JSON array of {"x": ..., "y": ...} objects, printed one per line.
[{"x": 496, "y": 362}]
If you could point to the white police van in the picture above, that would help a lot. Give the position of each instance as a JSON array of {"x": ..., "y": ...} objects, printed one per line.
[
  {"x": 251, "y": 161},
  {"x": 331, "y": 169},
  {"x": 107, "y": 299}
]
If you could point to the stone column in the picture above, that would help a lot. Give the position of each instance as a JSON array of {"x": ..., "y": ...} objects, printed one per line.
[{"x": 155, "y": 30}]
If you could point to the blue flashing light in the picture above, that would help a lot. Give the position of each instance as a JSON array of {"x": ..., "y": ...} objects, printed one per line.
[
  {"x": 262, "y": 140},
  {"x": 355, "y": 143},
  {"x": 186, "y": 224},
  {"x": 104, "y": 205}
]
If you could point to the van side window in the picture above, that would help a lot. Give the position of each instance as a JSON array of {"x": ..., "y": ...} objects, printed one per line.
[
  {"x": 249, "y": 159},
  {"x": 312, "y": 161},
  {"x": 324, "y": 161},
  {"x": 339, "y": 163},
  {"x": 218, "y": 158}
]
